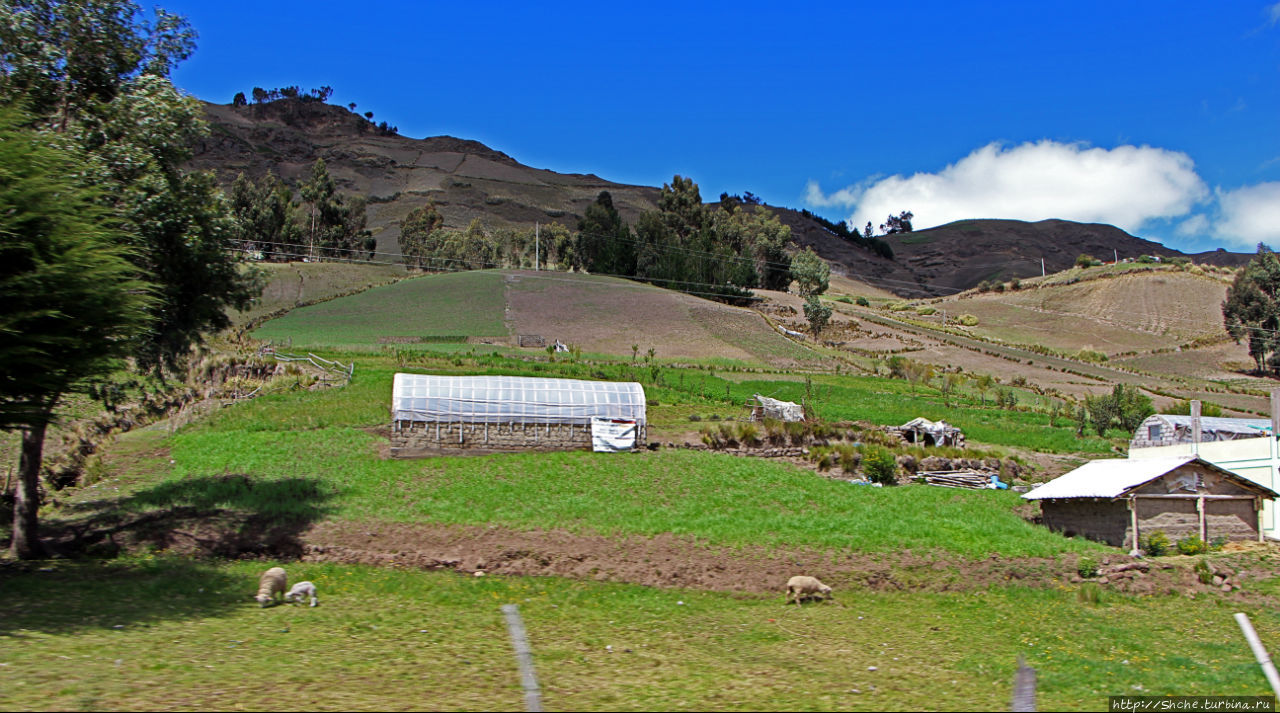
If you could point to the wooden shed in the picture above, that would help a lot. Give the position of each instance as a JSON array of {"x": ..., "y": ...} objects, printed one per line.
[{"x": 1120, "y": 501}]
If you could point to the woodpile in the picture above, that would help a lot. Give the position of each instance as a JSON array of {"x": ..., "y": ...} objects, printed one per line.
[{"x": 972, "y": 479}]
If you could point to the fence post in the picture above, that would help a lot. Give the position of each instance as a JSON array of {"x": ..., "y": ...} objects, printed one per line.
[
  {"x": 524, "y": 657},
  {"x": 1024, "y": 687},
  {"x": 1259, "y": 652}
]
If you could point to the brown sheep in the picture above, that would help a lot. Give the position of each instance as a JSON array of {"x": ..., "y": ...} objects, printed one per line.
[
  {"x": 271, "y": 585},
  {"x": 802, "y": 587}
]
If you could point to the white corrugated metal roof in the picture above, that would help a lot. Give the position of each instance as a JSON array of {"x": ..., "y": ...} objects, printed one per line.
[{"x": 1107, "y": 478}]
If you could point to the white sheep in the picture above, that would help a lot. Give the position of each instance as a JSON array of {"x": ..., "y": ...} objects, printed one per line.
[
  {"x": 300, "y": 591},
  {"x": 270, "y": 584},
  {"x": 803, "y": 587}
]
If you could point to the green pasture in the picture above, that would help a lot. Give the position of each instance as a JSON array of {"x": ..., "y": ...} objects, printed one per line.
[
  {"x": 287, "y": 285},
  {"x": 311, "y": 454},
  {"x": 456, "y": 304},
  {"x": 153, "y": 633}
]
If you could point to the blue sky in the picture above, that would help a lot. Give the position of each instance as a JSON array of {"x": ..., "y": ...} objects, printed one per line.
[{"x": 1160, "y": 117}]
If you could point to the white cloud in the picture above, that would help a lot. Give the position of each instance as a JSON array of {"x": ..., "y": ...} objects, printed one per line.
[
  {"x": 1194, "y": 226},
  {"x": 1249, "y": 215},
  {"x": 1273, "y": 13},
  {"x": 1124, "y": 186}
]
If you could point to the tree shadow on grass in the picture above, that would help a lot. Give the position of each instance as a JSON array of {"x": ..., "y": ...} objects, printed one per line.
[
  {"x": 231, "y": 515},
  {"x": 52, "y": 597}
]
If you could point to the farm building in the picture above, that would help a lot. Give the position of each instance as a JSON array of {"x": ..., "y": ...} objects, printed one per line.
[
  {"x": 931, "y": 433},
  {"x": 432, "y": 412},
  {"x": 1243, "y": 446},
  {"x": 1120, "y": 501},
  {"x": 1167, "y": 430},
  {"x": 767, "y": 408}
]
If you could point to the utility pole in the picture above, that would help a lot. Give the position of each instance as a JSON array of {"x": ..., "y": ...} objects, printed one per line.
[
  {"x": 1042, "y": 267},
  {"x": 1116, "y": 253},
  {"x": 536, "y": 246}
]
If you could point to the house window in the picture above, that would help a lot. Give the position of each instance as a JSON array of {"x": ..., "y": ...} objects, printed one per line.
[{"x": 1153, "y": 432}]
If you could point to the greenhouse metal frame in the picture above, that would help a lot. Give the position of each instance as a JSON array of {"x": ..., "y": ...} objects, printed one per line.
[{"x": 431, "y": 398}]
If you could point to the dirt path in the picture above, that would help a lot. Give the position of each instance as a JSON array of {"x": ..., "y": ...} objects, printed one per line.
[{"x": 668, "y": 560}]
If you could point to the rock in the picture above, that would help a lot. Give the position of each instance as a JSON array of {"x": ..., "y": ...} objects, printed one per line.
[
  {"x": 1226, "y": 587},
  {"x": 1218, "y": 579}
]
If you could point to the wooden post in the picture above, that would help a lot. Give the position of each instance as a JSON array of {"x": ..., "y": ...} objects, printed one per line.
[
  {"x": 1195, "y": 427},
  {"x": 1133, "y": 517},
  {"x": 1259, "y": 653},
  {"x": 1204, "y": 530},
  {"x": 524, "y": 657},
  {"x": 1257, "y": 504}
]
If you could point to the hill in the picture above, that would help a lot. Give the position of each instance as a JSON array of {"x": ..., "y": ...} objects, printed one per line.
[
  {"x": 468, "y": 180},
  {"x": 465, "y": 179}
]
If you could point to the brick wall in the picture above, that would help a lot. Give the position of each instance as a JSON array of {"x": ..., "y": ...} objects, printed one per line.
[{"x": 1102, "y": 520}]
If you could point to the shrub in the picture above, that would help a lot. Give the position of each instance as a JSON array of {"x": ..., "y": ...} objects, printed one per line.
[
  {"x": 849, "y": 457},
  {"x": 695, "y": 417},
  {"x": 1090, "y": 593},
  {"x": 879, "y": 465},
  {"x": 845, "y": 299},
  {"x": 824, "y": 462},
  {"x": 748, "y": 434},
  {"x": 1015, "y": 284},
  {"x": 1085, "y": 262},
  {"x": 899, "y": 307},
  {"x": 862, "y": 301},
  {"x": 967, "y": 320},
  {"x": 1087, "y": 567},
  {"x": 925, "y": 310},
  {"x": 1156, "y": 544},
  {"x": 727, "y": 433},
  {"x": 775, "y": 431},
  {"x": 1204, "y": 572},
  {"x": 797, "y": 431},
  {"x": 1192, "y": 546},
  {"x": 1091, "y": 356}
]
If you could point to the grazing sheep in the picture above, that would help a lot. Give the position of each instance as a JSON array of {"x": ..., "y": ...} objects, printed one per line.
[
  {"x": 802, "y": 587},
  {"x": 300, "y": 591},
  {"x": 270, "y": 585}
]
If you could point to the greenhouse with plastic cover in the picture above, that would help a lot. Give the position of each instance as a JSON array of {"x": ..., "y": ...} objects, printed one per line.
[{"x": 443, "y": 412}]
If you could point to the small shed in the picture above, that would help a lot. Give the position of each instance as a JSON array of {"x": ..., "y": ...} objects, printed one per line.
[
  {"x": 765, "y": 407},
  {"x": 931, "y": 433},
  {"x": 1164, "y": 429},
  {"x": 432, "y": 412},
  {"x": 1120, "y": 501}
]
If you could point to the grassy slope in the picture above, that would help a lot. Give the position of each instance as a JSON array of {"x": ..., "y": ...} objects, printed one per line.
[
  {"x": 290, "y": 284},
  {"x": 165, "y": 633},
  {"x": 317, "y": 443},
  {"x": 457, "y": 304}
]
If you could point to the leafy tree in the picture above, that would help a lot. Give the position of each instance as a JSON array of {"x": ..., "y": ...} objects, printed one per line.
[
  {"x": 239, "y": 100},
  {"x": 818, "y": 315},
  {"x": 900, "y": 223},
  {"x": 605, "y": 244},
  {"x": 264, "y": 219},
  {"x": 70, "y": 300},
  {"x": 318, "y": 192},
  {"x": 96, "y": 72},
  {"x": 1125, "y": 408},
  {"x": 950, "y": 382},
  {"x": 416, "y": 231},
  {"x": 810, "y": 272},
  {"x": 983, "y": 383},
  {"x": 1252, "y": 309},
  {"x": 259, "y": 95}
]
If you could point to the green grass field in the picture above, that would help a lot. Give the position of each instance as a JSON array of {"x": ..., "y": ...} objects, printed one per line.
[
  {"x": 290, "y": 284},
  {"x": 456, "y": 304},
  {"x": 163, "y": 633}
]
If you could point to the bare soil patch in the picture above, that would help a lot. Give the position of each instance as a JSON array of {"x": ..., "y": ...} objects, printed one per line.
[{"x": 608, "y": 315}]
